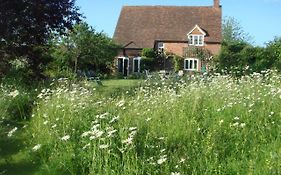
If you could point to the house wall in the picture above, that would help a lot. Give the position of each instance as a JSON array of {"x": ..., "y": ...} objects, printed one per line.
[
  {"x": 173, "y": 47},
  {"x": 130, "y": 52},
  {"x": 177, "y": 48}
]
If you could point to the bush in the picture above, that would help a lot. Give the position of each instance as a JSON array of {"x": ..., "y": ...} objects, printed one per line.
[{"x": 240, "y": 58}]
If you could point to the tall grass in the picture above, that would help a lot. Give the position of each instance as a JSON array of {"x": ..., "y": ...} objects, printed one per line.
[
  {"x": 15, "y": 103},
  {"x": 197, "y": 125}
]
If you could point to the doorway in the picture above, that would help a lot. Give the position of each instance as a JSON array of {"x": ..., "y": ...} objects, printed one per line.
[{"x": 123, "y": 65}]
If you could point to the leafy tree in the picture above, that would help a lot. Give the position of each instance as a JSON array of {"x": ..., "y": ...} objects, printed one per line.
[
  {"x": 26, "y": 26},
  {"x": 84, "y": 49},
  {"x": 232, "y": 31},
  {"x": 230, "y": 56},
  {"x": 241, "y": 58},
  {"x": 273, "y": 50}
]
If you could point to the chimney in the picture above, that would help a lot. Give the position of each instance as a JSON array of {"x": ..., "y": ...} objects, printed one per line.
[{"x": 217, "y": 3}]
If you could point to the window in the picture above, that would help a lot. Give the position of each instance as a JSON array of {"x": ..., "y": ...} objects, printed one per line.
[
  {"x": 160, "y": 46},
  {"x": 123, "y": 65},
  {"x": 136, "y": 64},
  {"x": 196, "y": 40},
  {"x": 191, "y": 64}
]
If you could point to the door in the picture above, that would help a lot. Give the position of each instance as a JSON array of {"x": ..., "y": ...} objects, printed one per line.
[
  {"x": 123, "y": 65},
  {"x": 126, "y": 66},
  {"x": 136, "y": 64}
]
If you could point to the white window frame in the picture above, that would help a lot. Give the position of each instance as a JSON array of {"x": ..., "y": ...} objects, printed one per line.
[
  {"x": 192, "y": 68},
  {"x": 139, "y": 60},
  {"x": 161, "y": 47},
  {"x": 191, "y": 40},
  {"x": 123, "y": 64}
]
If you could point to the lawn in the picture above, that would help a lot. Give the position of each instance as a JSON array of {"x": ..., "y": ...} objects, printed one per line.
[{"x": 117, "y": 86}]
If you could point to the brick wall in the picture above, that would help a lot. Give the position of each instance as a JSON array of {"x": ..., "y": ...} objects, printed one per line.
[{"x": 177, "y": 48}]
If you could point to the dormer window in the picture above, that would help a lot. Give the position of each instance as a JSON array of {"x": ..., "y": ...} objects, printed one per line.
[
  {"x": 196, "y": 40},
  {"x": 196, "y": 36}
]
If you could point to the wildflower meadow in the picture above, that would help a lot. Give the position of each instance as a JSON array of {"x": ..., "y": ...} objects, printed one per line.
[{"x": 213, "y": 124}]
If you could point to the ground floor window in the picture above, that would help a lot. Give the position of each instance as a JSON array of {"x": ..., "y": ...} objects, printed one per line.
[
  {"x": 136, "y": 64},
  {"x": 191, "y": 64}
]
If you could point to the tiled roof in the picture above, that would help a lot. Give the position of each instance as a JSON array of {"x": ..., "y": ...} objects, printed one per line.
[{"x": 142, "y": 25}]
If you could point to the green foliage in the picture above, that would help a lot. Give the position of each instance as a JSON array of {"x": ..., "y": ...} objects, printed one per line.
[
  {"x": 240, "y": 58},
  {"x": 15, "y": 103},
  {"x": 148, "y": 53},
  {"x": 147, "y": 63},
  {"x": 197, "y": 52},
  {"x": 26, "y": 27},
  {"x": 193, "y": 126},
  {"x": 177, "y": 62},
  {"x": 230, "y": 56},
  {"x": 83, "y": 49},
  {"x": 148, "y": 59},
  {"x": 233, "y": 32},
  {"x": 274, "y": 49}
]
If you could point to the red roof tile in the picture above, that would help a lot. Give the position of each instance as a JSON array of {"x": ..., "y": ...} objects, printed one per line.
[{"x": 142, "y": 25}]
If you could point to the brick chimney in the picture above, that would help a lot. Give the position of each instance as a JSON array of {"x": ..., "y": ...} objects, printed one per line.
[{"x": 217, "y": 3}]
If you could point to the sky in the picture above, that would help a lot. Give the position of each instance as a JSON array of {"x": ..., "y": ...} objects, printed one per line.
[{"x": 260, "y": 18}]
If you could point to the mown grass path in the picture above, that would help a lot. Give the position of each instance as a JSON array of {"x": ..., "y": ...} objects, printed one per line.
[{"x": 14, "y": 159}]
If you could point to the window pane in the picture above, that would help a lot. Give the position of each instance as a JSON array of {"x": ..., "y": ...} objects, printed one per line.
[
  {"x": 200, "y": 40},
  {"x": 190, "y": 64},
  {"x": 190, "y": 40},
  {"x": 186, "y": 64},
  {"x": 160, "y": 45},
  {"x": 195, "y": 40},
  {"x": 195, "y": 64},
  {"x": 120, "y": 65},
  {"x": 136, "y": 65}
]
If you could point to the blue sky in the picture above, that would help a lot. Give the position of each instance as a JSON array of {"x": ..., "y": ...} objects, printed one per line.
[{"x": 259, "y": 18}]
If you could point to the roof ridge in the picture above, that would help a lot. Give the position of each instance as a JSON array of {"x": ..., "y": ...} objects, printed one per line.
[{"x": 165, "y": 6}]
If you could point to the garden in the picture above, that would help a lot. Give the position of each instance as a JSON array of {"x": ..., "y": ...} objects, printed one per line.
[
  {"x": 55, "y": 119},
  {"x": 214, "y": 124}
]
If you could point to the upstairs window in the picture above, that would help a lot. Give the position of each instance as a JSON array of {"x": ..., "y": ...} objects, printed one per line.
[
  {"x": 196, "y": 40},
  {"x": 196, "y": 36}
]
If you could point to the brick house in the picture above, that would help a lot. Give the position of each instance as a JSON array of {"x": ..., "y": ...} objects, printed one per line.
[{"x": 172, "y": 29}]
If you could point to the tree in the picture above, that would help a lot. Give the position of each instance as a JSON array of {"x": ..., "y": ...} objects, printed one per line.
[
  {"x": 26, "y": 26},
  {"x": 232, "y": 31},
  {"x": 273, "y": 50},
  {"x": 84, "y": 49},
  {"x": 230, "y": 56}
]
